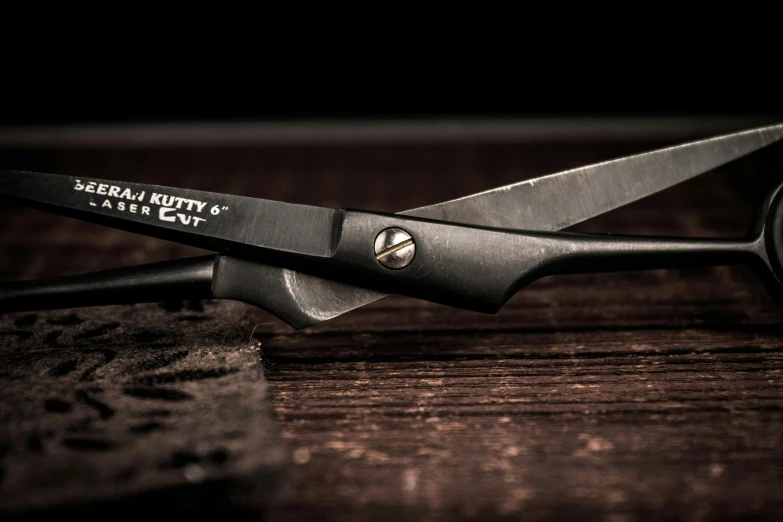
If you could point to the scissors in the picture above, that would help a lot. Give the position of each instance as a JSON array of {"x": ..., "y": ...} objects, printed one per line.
[{"x": 307, "y": 264}]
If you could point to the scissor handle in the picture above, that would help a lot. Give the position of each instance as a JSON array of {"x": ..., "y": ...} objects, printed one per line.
[
  {"x": 289, "y": 295},
  {"x": 770, "y": 231},
  {"x": 182, "y": 279}
]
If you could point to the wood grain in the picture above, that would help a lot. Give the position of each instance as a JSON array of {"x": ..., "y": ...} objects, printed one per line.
[{"x": 626, "y": 396}]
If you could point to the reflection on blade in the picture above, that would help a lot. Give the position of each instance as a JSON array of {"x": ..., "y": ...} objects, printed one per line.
[{"x": 558, "y": 201}]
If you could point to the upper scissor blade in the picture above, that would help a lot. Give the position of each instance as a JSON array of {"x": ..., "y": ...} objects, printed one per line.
[
  {"x": 557, "y": 201},
  {"x": 208, "y": 220}
]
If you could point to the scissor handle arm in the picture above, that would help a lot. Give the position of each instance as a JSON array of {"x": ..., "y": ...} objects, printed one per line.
[
  {"x": 182, "y": 279},
  {"x": 283, "y": 293},
  {"x": 481, "y": 268}
]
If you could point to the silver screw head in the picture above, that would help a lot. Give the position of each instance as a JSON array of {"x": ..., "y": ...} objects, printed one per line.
[{"x": 394, "y": 248}]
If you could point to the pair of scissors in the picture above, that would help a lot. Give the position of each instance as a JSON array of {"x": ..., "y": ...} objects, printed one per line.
[{"x": 307, "y": 264}]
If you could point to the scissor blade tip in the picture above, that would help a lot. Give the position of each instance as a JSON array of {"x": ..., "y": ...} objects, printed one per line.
[
  {"x": 775, "y": 129},
  {"x": 769, "y": 134}
]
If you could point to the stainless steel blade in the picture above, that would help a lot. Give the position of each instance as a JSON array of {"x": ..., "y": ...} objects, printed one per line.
[
  {"x": 560, "y": 200},
  {"x": 552, "y": 202},
  {"x": 219, "y": 222}
]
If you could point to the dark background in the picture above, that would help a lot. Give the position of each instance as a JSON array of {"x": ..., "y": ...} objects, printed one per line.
[
  {"x": 720, "y": 78},
  {"x": 162, "y": 110}
]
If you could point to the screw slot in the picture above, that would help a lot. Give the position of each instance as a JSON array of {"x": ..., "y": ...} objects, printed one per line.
[{"x": 394, "y": 248}]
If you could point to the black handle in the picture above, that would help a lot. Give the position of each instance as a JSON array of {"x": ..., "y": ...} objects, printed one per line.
[
  {"x": 298, "y": 299},
  {"x": 170, "y": 280}
]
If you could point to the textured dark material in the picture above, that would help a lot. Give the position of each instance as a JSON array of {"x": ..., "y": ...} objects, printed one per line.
[
  {"x": 147, "y": 411},
  {"x": 122, "y": 402},
  {"x": 638, "y": 395}
]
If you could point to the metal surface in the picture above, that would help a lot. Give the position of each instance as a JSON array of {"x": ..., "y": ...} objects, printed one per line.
[
  {"x": 479, "y": 269},
  {"x": 458, "y": 260},
  {"x": 394, "y": 248},
  {"x": 299, "y": 299},
  {"x": 560, "y": 200},
  {"x": 219, "y": 222}
]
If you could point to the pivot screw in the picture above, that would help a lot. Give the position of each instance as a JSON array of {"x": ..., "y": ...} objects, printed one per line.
[{"x": 394, "y": 248}]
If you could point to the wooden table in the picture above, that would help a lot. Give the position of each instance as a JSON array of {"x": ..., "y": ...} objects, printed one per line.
[{"x": 625, "y": 396}]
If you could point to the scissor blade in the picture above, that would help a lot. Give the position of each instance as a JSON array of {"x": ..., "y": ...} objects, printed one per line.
[
  {"x": 219, "y": 222},
  {"x": 557, "y": 201}
]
